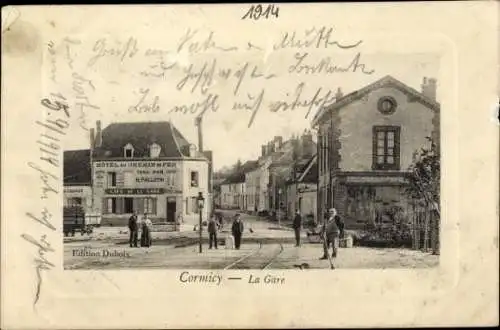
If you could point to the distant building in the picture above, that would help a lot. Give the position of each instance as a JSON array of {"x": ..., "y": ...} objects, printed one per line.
[
  {"x": 148, "y": 167},
  {"x": 301, "y": 194},
  {"x": 233, "y": 189},
  {"x": 77, "y": 179},
  {"x": 366, "y": 142}
]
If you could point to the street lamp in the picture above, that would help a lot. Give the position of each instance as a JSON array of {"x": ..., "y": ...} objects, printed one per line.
[
  {"x": 201, "y": 203},
  {"x": 279, "y": 207}
]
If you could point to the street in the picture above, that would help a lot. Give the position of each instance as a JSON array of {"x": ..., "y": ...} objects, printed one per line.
[{"x": 266, "y": 247}]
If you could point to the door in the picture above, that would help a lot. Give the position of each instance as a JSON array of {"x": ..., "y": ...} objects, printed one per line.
[{"x": 171, "y": 209}]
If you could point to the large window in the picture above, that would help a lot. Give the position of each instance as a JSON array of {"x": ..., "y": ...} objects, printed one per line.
[
  {"x": 150, "y": 205},
  {"x": 386, "y": 147},
  {"x": 111, "y": 179},
  {"x": 128, "y": 204}
]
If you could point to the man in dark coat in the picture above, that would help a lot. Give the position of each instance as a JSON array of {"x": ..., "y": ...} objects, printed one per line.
[
  {"x": 212, "y": 232},
  {"x": 133, "y": 228},
  {"x": 237, "y": 230},
  {"x": 297, "y": 226}
]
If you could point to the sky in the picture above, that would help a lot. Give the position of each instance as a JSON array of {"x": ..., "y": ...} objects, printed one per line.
[{"x": 117, "y": 75}]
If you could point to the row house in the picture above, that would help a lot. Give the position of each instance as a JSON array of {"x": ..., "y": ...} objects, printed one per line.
[
  {"x": 233, "y": 192},
  {"x": 366, "y": 142},
  {"x": 301, "y": 194}
]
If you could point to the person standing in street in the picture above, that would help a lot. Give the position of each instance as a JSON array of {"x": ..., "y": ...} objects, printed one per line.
[
  {"x": 297, "y": 226},
  {"x": 212, "y": 232},
  {"x": 146, "y": 239},
  {"x": 133, "y": 228},
  {"x": 330, "y": 234},
  {"x": 237, "y": 230}
]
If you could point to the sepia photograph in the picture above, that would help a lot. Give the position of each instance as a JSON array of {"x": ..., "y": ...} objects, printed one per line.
[{"x": 250, "y": 165}]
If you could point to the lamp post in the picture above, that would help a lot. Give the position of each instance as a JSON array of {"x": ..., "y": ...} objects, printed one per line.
[
  {"x": 279, "y": 207},
  {"x": 201, "y": 203}
]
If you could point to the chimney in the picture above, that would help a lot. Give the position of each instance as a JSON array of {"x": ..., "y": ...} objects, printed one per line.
[
  {"x": 98, "y": 135},
  {"x": 339, "y": 94},
  {"x": 429, "y": 86},
  {"x": 198, "y": 122},
  {"x": 272, "y": 147},
  {"x": 92, "y": 138},
  {"x": 279, "y": 140}
]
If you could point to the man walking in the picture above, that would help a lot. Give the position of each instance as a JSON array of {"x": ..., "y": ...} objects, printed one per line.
[
  {"x": 133, "y": 228},
  {"x": 297, "y": 226},
  {"x": 212, "y": 232},
  {"x": 237, "y": 230},
  {"x": 330, "y": 233}
]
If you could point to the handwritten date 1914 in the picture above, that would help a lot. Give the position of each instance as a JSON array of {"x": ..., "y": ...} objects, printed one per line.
[{"x": 257, "y": 12}]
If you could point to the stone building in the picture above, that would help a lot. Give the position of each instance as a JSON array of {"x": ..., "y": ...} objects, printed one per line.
[
  {"x": 151, "y": 168},
  {"x": 366, "y": 142}
]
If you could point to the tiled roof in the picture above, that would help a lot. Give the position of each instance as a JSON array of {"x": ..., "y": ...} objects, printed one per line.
[
  {"x": 76, "y": 168},
  {"x": 239, "y": 177},
  {"x": 358, "y": 94},
  {"x": 141, "y": 135}
]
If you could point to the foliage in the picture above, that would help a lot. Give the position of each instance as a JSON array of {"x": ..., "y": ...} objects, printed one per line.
[{"x": 424, "y": 176}]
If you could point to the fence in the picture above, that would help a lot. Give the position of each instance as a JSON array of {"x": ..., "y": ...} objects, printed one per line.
[{"x": 425, "y": 227}]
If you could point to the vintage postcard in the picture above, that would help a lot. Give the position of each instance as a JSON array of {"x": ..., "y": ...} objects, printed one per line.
[{"x": 250, "y": 165}]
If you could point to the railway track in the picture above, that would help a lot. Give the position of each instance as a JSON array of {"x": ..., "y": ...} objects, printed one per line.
[{"x": 260, "y": 258}]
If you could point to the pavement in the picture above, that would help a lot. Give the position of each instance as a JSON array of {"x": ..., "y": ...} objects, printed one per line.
[{"x": 107, "y": 248}]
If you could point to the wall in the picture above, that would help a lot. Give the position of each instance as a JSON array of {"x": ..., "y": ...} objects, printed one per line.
[
  {"x": 83, "y": 192},
  {"x": 187, "y": 166},
  {"x": 252, "y": 181},
  {"x": 359, "y": 117}
]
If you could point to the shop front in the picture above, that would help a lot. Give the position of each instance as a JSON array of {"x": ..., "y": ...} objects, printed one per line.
[{"x": 152, "y": 187}]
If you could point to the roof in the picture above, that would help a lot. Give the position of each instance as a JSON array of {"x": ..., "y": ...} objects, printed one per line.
[
  {"x": 141, "y": 135},
  {"x": 239, "y": 177},
  {"x": 387, "y": 81},
  {"x": 310, "y": 171},
  {"x": 307, "y": 170},
  {"x": 76, "y": 168}
]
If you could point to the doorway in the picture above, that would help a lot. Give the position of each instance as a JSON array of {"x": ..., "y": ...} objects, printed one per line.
[{"x": 171, "y": 209}]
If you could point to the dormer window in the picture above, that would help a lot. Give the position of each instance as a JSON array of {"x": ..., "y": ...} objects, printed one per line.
[
  {"x": 128, "y": 151},
  {"x": 154, "y": 150}
]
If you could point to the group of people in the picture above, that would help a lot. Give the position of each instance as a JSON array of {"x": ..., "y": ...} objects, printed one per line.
[
  {"x": 145, "y": 224},
  {"x": 214, "y": 226},
  {"x": 331, "y": 231}
]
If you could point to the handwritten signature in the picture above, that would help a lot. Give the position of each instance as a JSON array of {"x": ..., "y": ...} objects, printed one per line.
[{"x": 142, "y": 105}]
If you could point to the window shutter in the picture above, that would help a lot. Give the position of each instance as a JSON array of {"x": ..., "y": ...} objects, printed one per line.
[
  {"x": 397, "y": 136},
  {"x": 154, "y": 205},
  {"x": 188, "y": 208},
  {"x": 119, "y": 205},
  {"x": 104, "y": 207},
  {"x": 140, "y": 205}
]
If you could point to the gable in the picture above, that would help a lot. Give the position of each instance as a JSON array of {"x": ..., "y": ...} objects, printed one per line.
[{"x": 386, "y": 82}]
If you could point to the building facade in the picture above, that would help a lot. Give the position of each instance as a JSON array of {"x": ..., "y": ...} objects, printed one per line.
[
  {"x": 148, "y": 168},
  {"x": 367, "y": 140},
  {"x": 301, "y": 194},
  {"x": 77, "y": 179}
]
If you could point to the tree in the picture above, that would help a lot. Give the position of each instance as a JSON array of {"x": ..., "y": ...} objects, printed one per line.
[
  {"x": 424, "y": 176},
  {"x": 424, "y": 185},
  {"x": 238, "y": 166}
]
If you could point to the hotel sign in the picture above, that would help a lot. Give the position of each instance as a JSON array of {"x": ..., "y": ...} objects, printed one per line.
[
  {"x": 139, "y": 191},
  {"x": 136, "y": 164}
]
